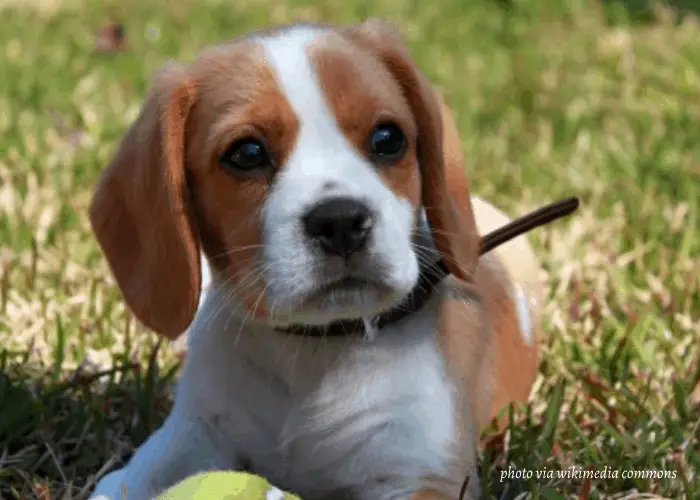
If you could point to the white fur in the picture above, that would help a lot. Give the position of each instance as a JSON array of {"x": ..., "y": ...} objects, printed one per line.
[
  {"x": 309, "y": 414},
  {"x": 522, "y": 306},
  {"x": 314, "y": 416}
]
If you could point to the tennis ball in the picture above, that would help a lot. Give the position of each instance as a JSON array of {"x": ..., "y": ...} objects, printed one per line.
[{"x": 225, "y": 485}]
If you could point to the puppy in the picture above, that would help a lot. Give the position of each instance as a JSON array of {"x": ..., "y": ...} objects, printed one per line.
[{"x": 318, "y": 175}]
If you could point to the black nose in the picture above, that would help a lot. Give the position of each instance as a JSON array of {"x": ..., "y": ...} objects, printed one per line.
[{"x": 340, "y": 225}]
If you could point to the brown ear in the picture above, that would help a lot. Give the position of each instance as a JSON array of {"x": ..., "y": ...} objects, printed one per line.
[
  {"x": 451, "y": 220},
  {"x": 141, "y": 214}
]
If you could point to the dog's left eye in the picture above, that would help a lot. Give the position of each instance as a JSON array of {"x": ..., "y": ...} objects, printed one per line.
[
  {"x": 245, "y": 155},
  {"x": 387, "y": 143}
]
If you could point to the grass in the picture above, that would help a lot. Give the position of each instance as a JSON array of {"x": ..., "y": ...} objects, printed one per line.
[{"x": 553, "y": 98}]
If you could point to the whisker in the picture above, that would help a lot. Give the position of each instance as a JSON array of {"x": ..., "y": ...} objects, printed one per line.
[
  {"x": 237, "y": 249},
  {"x": 250, "y": 313},
  {"x": 432, "y": 253},
  {"x": 249, "y": 279}
]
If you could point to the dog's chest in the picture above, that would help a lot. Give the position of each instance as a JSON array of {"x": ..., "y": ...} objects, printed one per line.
[{"x": 338, "y": 416}]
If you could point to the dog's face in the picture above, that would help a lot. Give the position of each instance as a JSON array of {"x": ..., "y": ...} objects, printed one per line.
[
  {"x": 314, "y": 146},
  {"x": 298, "y": 160}
]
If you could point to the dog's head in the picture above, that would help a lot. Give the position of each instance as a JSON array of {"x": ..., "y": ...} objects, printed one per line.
[{"x": 298, "y": 160}]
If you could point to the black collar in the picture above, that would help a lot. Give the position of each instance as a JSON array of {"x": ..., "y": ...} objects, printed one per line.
[
  {"x": 429, "y": 277},
  {"x": 432, "y": 274}
]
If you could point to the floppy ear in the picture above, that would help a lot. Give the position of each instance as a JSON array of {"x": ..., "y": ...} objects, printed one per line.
[
  {"x": 450, "y": 218},
  {"x": 141, "y": 214}
]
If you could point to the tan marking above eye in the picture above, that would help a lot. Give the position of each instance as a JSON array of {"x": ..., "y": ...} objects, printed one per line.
[
  {"x": 240, "y": 98},
  {"x": 362, "y": 94}
]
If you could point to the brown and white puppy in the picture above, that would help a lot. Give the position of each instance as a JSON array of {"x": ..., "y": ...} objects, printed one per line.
[{"x": 316, "y": 171}]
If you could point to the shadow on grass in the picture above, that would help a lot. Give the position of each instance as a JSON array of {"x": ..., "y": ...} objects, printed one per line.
[
  {"x": 56, "y": 433},
  {"x": 643, "y": 11},
  {"x": 636, "y": 11}
]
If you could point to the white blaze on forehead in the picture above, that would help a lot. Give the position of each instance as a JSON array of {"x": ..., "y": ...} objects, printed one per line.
[{"x": 287, "y": 54}]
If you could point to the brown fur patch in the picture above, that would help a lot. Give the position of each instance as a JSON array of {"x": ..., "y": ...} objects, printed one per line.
[
  {"x": 515, "y": 362},
  {"x": 240, "y": 98},
  {"x": 361, "y": 93},
  {"x": 165, "y": 187},
  {"x": 483, "y": 344}
]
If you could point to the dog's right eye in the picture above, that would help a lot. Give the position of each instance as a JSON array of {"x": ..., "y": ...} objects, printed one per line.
[
  {"x": 245, "y": 155},
  {"x": 387, "y": 143}
]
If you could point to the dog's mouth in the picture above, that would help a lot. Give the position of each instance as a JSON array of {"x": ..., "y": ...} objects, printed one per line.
[
  {"x": 350, "y": 287},
  {"x": 351, "y": 294},
  {"x": 348, "y": 283},
  {"x": 351, "y": 305}
]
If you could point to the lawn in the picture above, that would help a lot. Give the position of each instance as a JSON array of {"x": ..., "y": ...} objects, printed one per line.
[{"x": 553, "y": 98}]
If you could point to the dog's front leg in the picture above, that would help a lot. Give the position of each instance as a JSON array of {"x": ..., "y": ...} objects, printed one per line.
[{"x": 182, "y": 447}]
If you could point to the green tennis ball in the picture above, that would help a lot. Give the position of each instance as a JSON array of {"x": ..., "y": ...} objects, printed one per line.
[{"x": 225, "y": 485}]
